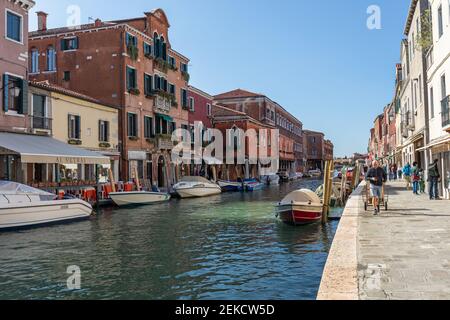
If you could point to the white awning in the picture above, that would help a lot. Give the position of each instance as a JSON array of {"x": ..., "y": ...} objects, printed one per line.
[{"x": 41, "y": 149}]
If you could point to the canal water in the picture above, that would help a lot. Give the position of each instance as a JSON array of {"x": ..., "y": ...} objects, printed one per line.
[{"x": 224, "y": 247}]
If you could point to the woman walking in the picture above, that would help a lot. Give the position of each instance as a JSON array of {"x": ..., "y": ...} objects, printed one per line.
[
  {"x": 407, "y": 175},
  {"x": 415, "y": 177}
]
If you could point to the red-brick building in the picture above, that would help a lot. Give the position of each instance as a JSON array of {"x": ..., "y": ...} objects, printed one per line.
[
  {"x": 268, "y": 112},
  {"x": 328, "y": 150},
  {"x": 14, "y": 65},
  {"x": 226, "y": 120},
  {"x": 129, "y": 64},
  {"x": 315, "y": 149},
  {"x": 200, "y": 107}
]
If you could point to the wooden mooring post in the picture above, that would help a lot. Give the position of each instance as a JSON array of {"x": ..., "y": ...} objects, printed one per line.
[{"x": 327, "y": 187}]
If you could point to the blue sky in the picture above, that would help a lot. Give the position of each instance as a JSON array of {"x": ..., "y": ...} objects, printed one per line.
[{"x": 318, "y": 59}]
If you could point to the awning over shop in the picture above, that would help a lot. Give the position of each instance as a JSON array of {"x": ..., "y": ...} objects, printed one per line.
[
  {"x": 164, "y": 117},
  {"x": 40, "y": 149}
]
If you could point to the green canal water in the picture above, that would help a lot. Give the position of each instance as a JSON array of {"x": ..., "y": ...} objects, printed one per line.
[{"x": 225, "y": 247}]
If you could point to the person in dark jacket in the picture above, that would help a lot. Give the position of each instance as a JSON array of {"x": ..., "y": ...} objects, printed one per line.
[
  {"x": 376, "y": 176},
  {"x": 433, "y": 179}
]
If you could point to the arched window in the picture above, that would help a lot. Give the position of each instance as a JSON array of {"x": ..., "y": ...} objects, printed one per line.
[
  {"x": 163, "y": 49},
  {"x": 156, "y": 44},
  {"x": 51, "y": 59},
  {"x": 34, "y": 68}
]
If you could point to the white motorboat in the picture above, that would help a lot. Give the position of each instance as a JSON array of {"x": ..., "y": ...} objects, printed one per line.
[
  {"x": 271, "y": 179},
  {"x": 195, "y": 187},
  {"x": 315, "y": 173},
  {"x": 23, "y": 206},
  {"x": 300, "y": 207},
  {"x": 138, "y": 198}
]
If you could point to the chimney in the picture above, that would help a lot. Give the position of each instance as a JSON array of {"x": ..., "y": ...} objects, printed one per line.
[
  {"x": 98, "y": 22},
  {"x": 42, "y": 20}
]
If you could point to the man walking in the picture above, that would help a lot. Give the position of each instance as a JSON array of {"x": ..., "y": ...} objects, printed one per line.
[
  {"x": 433, "y": 179},
  {"x": 407, "y": 175},
  {"x": 377, "y": 176}
]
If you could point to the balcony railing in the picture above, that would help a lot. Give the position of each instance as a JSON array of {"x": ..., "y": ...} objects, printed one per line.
[
  {"x": 42, "y": 123},
  {"x": 445, "y": 106}
]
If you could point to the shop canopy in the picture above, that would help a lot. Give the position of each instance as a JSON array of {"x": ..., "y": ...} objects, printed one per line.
[
  {"x": 41, "y": 149},
  {"x": 165, "y": 117}
]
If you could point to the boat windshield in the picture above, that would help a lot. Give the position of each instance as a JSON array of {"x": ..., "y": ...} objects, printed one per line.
[
  {"x": 13, "y": 192},
  {"x": 195, "y": 179}
]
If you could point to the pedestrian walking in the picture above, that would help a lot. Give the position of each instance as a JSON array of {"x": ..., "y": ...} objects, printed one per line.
[
  {"x": 433, "y": 179},
  {"x": 407, "y": 175},
  {"x": 395, "y": 170},
  {"x": 415, "y": 178},
  {"x": 377, "y": 176},
  {"x": 400, "y": 174},
  {"x": 422, "y": 181}
]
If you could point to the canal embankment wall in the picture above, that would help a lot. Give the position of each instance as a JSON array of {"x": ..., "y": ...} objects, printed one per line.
[{"x": 340, "y": 276}]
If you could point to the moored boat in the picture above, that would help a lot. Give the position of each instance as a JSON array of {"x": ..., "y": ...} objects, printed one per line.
[
  {"x": 300, "y": 207},
  {"x": 271, "y": 179},
  {"x": 229, "y": 186},
  {"x": 195, "y": 187},
  {"x": 22, "y": 206},
  {"x": 138, "y": 198},
  {"x": 251, "y": 185}
]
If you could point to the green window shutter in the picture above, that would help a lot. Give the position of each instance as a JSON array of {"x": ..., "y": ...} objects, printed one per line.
[
  {"x": 78, "y": 127},
  {"x": 106, "y": 131},
  {"x": 76, "y": 43},
  {"x": 5, "y": 92},
  {"x": 63, "y": 45},
  {"x": 23, "y": 108},
  {"x": 100, "y": 130},
  {"x": 129, "y": 73},
  {"x": 68, "y": 127}
]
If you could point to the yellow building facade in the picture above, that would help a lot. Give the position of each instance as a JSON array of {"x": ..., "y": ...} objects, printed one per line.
[{"x": 83, "y": 122}]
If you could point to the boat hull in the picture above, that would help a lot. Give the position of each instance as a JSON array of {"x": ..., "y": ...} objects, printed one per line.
[
  {"x": 123, "y": 199},
  {"x": 198, "y": 192},
  {"x": 27, "y": 215},
  {"x": 229, "y": 186},
  {"x": 300, "y": 214}
]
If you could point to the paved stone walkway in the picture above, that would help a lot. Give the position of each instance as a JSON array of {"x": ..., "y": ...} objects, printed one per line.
[{"x": 405, "y": 252}]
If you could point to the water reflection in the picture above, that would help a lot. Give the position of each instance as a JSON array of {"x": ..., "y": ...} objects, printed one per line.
[{"x": 225, "y": 247}]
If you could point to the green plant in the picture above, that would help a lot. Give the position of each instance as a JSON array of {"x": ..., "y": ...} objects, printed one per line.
[
  {"x": 162, "y": 65},
  {"x": 75, "y": 142},
  {"x": 134, "y": 91},
  {"x": 104, "y": 145},
  {"x": 134, "y": 138},
  {"x": 425, "y": 37},
  {"x": 186, "y": 76},
  {"x": 133, "y": 52}
]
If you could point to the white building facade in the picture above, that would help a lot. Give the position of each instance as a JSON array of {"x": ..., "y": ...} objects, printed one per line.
[{"x": 438, "y": 70}]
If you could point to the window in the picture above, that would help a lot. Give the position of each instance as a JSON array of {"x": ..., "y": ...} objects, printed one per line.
[
  {"x": 131, "y": 78},
  {"x": 148, "y": 84},
  {"x": 172, "y": 89},
  {"x": 51, "y": 59},
  {"x": 13, "y": 26},
  {"x": 40, "y": 120},
  {"x": 15, "y": 94},
  {"x": 191, "y": 104},
  {"x": 420, "y": 88},
  {"x": 443, "y": 87},
  {"x": 132, "y": 125},
  {"x": 69, "y": 44},
  {"x": 440, "y": 22},
  {"x": 66, "y": 76},
  {"x": 184, "y": 67},
  {"x": 148, "y": 127},
  {"x": 184, "y": 98},
  {"x": 131, "y": 40},
  {"x": 74, "y": 127},
  {"x": 103, "y": 131},
  {"x": 431, "y": 103},
  {"x": 172, "y": 61},
  {"x": 208, "y": 109},
  {"x": 147, "y": 49},
  {"x": 34, "y": 67}
]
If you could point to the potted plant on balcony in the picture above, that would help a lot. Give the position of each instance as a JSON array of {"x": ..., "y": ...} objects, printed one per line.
[
  {"x": 133, "y": 138},
  {"x": 161, "y": 65},
  {"x": 104, "y": 145},
  {"x": 185, "y": 76},
  {"x": 134, "y": 91},
  {"x": 133, "y": 52}
]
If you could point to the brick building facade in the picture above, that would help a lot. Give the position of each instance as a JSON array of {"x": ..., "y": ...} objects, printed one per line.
[{"x": 129, "y": 64}]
